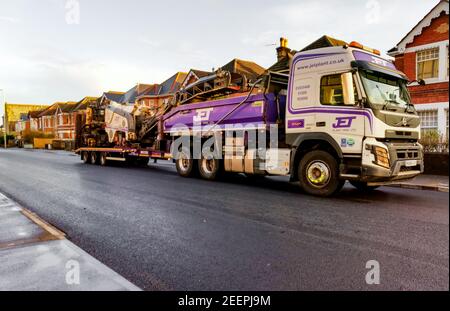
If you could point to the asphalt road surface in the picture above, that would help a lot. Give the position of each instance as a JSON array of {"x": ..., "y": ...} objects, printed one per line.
[{"x": 164, "y": 232}]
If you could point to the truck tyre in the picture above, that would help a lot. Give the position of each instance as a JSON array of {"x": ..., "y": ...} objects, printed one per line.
[
  {"x": 86, "y": 157},
  {"x": 319, "y": 175},
  {"x": 363, "y": 187},
  {"x": 103, "y": 160},
  {"x": 94, "y": 157},
  {"x": 209, "y": 168},
  {"x": 185, "y": 163}
]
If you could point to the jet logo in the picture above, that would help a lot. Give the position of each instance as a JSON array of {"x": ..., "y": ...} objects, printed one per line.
[
  {"x": 343, "y": 122},
  {"x": 379, "y": 61},
  {"x": 202, "y": 115}
]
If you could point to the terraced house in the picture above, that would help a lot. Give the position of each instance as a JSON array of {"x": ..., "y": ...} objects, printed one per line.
[
  {"x": 65, "y": 125},
  {"x": 159, "y": 94},
  {"x": 16, "y": 116},
  {"x": 48, "y": 119},
  {"x": 423, "y": 54},
  {"x": 66, "y": 117}
]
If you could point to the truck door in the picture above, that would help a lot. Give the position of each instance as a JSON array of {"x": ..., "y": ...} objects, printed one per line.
[{"x": 338, "y": 116}]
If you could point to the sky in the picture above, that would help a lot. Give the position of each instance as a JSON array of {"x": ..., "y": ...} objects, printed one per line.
[{"x": 64, "y": 50}]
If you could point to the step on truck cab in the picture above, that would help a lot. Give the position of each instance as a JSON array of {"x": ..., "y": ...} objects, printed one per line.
[{"x": 345, "y": 114}]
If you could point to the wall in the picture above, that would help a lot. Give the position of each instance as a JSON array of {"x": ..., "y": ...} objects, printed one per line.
[
  {"x": 436, "y": 164},
  {"x": 39, "y": 143}
]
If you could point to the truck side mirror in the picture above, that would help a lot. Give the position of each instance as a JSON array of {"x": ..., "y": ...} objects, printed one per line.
[{"x": 348, "y": 89}]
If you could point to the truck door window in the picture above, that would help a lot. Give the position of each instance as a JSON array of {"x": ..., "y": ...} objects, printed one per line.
[{"x": 331, "y": 91}]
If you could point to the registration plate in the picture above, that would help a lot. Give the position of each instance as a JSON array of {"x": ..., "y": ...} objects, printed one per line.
[{"x": 411, "y": 163}]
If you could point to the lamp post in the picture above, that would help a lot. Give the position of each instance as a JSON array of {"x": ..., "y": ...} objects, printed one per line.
[{"x": 4, "y": 119}]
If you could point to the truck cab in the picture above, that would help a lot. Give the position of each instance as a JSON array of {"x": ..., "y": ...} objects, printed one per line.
[{"x": 353, "y": 104}]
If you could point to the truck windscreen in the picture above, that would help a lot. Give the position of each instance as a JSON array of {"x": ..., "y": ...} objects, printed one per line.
[{"x": 386, "y": 92}]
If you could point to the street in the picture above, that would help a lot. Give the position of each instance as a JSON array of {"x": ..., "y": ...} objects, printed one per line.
[{"x": 164, "y": 232}]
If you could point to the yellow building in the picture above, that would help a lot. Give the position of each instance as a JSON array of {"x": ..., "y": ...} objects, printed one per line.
[{"x": 15, "y": 112}]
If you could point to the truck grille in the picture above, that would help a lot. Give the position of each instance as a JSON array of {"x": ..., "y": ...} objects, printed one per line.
[{"x": 407, "y": 154}]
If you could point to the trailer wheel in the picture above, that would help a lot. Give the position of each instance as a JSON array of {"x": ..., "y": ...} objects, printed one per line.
[
  {"x": 94, "y": 157},
  {"x": 319, "y": 175},
  {"x": 185, "y": 163},
  {"x": 362, "y": 186},
  {"x": 85, "y": 156},
  {"x": 209, "y": 168},
  {"x": 103, "y": 160}
]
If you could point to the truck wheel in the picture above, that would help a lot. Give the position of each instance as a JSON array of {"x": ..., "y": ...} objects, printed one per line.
[
  {"x": 103, "y": 160},
  {"x": 363, "y": 187},
  {"x": 85, "y": 156},
  {"x": 319, "y": 175},
  {"x": 185, "y": 163},
  {"x": 209, "y": 168},
  {"x": 94, "y": 157}
]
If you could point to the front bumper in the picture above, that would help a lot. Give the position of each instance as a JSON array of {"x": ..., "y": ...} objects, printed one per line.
[{"x": 406, "y": 163}]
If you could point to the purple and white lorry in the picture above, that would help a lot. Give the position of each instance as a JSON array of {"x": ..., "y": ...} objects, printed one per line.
[{"x": 339, "y": 113}]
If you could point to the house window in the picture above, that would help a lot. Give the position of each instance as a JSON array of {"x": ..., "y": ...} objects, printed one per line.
[
  {"x": 429, "y": 119},
  {"x": 428, "y": 64},
  {"x": 448, "y": 59},
  {"x": 446, "y": 115}
]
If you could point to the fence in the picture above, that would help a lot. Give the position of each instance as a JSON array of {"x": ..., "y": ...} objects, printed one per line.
[{"x": 436, "y": 148}]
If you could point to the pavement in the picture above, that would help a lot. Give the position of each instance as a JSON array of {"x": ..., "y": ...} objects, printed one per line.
[
  {"x": 425, "y": 182},
  {"x": 37, "y": 257},
  {"x": 164, "y": 232}
]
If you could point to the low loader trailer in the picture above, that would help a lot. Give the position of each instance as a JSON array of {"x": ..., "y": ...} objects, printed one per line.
[
  {"x": 341, "y": 113},
  {"x": 137, "y": 156}
]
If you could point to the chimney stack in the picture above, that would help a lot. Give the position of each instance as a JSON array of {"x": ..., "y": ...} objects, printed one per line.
[{"x": 283, "y": 50}]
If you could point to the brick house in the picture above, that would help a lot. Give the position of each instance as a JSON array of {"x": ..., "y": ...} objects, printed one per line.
[
  {"x": 48, "y": 119},
  {"x": 110, "y": 96},
  {"x": 424, "y": 54},
  {"x": 146, "y": 98},
  {"x": 35, "y": 120},
  {"x": 23, "y": 125},
  {"x": 65, "y": 125},
  {"x": 156, "y": 97},
  {"x": 129, "y": 97},
  {"x": 66, "y": 117}
]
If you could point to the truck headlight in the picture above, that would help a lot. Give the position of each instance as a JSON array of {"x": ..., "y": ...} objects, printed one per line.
[{"x": 381, "y": 156}]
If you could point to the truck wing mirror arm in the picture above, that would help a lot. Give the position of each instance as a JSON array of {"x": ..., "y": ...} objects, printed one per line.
[{"x": 421, "y": 82}]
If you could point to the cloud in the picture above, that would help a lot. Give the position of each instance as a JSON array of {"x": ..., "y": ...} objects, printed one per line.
[
  {"x": 149, "y": 42},
  {"x": 265, "y": 38},
  {"x": 9, "y": 19},
  {"x": 39, "y": 76}
]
